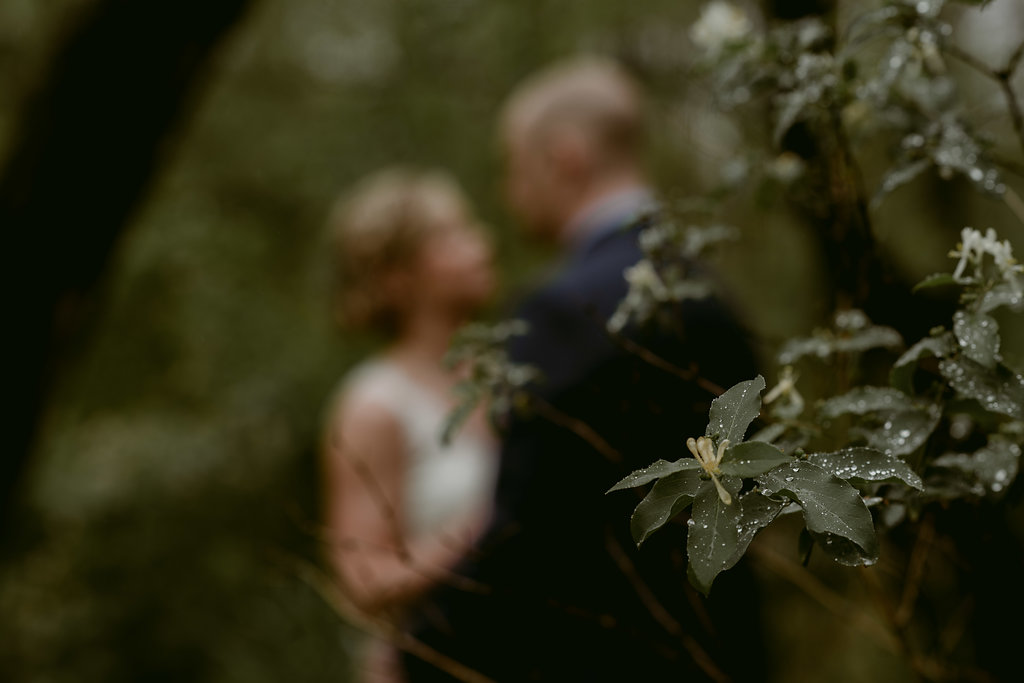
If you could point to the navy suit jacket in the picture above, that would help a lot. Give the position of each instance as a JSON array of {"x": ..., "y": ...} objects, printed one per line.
[{"x": 565, "y": 594}]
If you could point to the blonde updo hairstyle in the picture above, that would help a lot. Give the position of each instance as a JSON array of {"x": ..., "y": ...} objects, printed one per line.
[{"x": 377, "y": 228}]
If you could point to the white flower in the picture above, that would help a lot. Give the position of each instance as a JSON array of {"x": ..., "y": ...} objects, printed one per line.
[
  {"x": 786, "y": 388},
  {"x": 972, "y": 248},
  {"x": 642, "y": 277},
  {"x": 721, "y": 23},
  {"x": 703, "y": 450}
]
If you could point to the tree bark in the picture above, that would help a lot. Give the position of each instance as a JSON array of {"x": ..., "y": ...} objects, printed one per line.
[{"x": 88, "y": 144}]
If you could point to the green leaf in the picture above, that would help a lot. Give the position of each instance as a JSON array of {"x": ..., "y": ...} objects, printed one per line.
[
  {"x": 978, "y": 335},
  {"x": 756, "y": 512},
  {"x": 873, "y": 337},
  {"x": 862, "y": 465},
  {"x": 770, "y": 433},
  {"x": 713, "y": 535},
  {"x": 657, "y": 470},
  {"x": 469, "y": 398},
  {"x": 936, "y": 280},
  {"x": 825, "y": 344},
  {"x": 832, "y": 508},
  {"x": 902, "y": 375},
  {"x": 732, "y": 412},
  {"x": 993, "y": 467},
  {"x": 1003, "y": 294},
  {"x": 865, "y": 400},
  {"x": 900, "y": 174},
  {"x": 997, "y": 390},
  {"x": 751, "y": 459},
  {"x": 668, "y": 497},
  {"x": 901, "y": 433},
  {"x": 842, "y": 550}
]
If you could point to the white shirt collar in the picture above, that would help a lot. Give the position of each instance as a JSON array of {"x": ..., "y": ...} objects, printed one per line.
[{"x": 610, "y": 212}]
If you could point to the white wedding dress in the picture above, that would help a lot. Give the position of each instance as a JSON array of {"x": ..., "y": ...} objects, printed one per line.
[{"x": 444, "y": 483}]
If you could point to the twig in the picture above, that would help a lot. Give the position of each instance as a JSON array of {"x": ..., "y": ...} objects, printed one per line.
[
  {"x": 376, "y": 491},
  {"x": 915, "y": 571},
  {"x": 1003, "y": 78},
  {"x": 661, "y": 615},
  {"x": 577, "y": 426},
  {"x": 690, "y": 374},
  {"x": 956, "y": 624},
  {"x": 927, "y": 668},
  {"x": 1014, "y": 203},
  {"x": 436, "y": 573},
  {"x": 825, "y": 596},
  {"x": 384, "y": 629}
]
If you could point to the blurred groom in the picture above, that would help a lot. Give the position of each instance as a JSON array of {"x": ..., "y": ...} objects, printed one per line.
[{"x": 565, "y": 594}]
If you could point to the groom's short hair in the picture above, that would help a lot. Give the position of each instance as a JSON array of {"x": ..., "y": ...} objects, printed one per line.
[{"x": 593, "y": 94}]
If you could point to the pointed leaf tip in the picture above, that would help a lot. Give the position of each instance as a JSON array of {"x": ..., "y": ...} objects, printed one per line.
[{"x": 733, "y": 411}]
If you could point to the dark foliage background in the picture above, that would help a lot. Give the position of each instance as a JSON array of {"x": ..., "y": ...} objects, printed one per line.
[{"x": 172, "y": 489}]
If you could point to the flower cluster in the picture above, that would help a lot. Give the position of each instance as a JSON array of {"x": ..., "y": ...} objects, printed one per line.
[
  {"x": 703, "y": 449},
  {"x": 971, "y": 251}
]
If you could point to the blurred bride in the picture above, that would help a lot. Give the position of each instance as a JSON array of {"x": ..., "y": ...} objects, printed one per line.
[{"x": 402, "y": 508}]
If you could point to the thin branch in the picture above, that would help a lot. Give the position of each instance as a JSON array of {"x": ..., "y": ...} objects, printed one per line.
[
  {"x": 915, "y": 572},
  {"x": 377, "y": 493},
  {"x": 436, "y": 573},
  {"x": 661, "y": 615},
  {"x": 577, "y": 426},
  {"x": 382, "y": 628},
  {"x": 1014, "y": 61},
  {"x": 1003, "y": 78},
  {"x": 956, "y": 625},
  {"x": 690, "y": 374},
  {"x": 1014, "y": 203},
  {"x": 1013, "y": 106},
  {"x": 971, "y": 61},
  {"x": 832, "y": 601}
]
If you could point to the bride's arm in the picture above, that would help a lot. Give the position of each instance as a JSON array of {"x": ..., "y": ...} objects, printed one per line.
[{"x": 365, "y": 473}]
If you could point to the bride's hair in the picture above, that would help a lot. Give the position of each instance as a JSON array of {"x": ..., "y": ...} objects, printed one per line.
[{"x": 378, "y": 227}]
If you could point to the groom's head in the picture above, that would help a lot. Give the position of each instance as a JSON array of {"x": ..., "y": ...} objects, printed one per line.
[{"x": 570, "y": 134}]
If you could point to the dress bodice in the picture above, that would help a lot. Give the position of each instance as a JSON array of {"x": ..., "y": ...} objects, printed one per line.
[{"x": 443, "y": 482}]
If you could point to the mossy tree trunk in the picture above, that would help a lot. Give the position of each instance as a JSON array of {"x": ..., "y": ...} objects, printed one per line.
[{"x": 89, "y": 142}]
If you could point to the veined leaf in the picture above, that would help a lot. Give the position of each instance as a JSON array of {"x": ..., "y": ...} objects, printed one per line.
[
  {"x": 770, "y": 433},
  {"x": 903, "y": 432},
  {"x": 902, "y": 374},
  {"x": 994, "y": 467},
  {"x": 997, "y": 390},
  {"x": 935, "y": 280},
  {"x": 865, "y": 400},
  {"x": 825, "y": 344},
  {"x": 832, "y": 508},
  {"x": 668, "y": 497},
  {"x": 863, "y": 465},
  {"x": 732, "y": 412},
  {"x": 1003, "y": 294},
  {"x": 873, "y": 337},
  {"x": 756, "y": 512},
  {"x": 657, "y": 470},
  {"x": 978, "y": 335},
  {"x": 713, "y": 535},
  {"x": 751, "y": 459}
]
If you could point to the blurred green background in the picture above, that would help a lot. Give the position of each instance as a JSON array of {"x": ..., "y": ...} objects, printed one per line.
[{"x": 174, "y": 490}]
